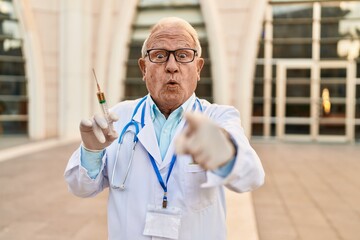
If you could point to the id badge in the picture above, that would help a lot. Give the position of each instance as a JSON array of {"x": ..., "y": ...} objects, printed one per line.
[{"x": 162, "y": 222}]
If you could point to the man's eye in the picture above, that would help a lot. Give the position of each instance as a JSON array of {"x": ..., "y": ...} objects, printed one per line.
[
  {"x": 182, "y": 55},
  {"x": 160, "y": 55}
]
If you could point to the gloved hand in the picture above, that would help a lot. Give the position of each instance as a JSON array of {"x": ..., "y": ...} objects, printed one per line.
[
  {"x": 208, "y": 144},
  {"x": 95, "y": 133}
]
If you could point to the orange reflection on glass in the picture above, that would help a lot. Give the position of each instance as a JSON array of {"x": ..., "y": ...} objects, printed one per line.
[{"x": 326, "y": 101}]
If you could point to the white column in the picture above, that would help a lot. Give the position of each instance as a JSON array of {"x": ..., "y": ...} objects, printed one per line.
[
  {"x": 102, "y": 49},
  {"x": 119, "y": 47},
  {"x": 34, "y": 70},
  {"x": 268, "y": 49},
  {"x": 243, "y": 90},
  {"x": 75, "y": 54},
  {"x": 220, "y": 70},
  {"x": 280, "y": 99},
  {"x": 350, "y": 100},
  {"x": 315, "y": 73}
]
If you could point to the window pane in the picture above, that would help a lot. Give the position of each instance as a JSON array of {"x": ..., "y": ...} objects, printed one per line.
[
  {"x": 273, "y": 109},
  {"x": 135, "y": 89},
  {"x": 329, "y": 50},
  {"x": 332, "y": 129},
  {"x": 259, "y": 71},
  {"x": 258, "y": 90},
  {"x": 298, "y": 29},
  {"x": 297, "y": 110},
  {"x": 298, "y": 73},
  {"x": 291, "y": 11},
  {"x": 337, "y": 110},
  {"x": 13, "y": 83},
  {"x": 261, "y": 50},
  {"x": 357, "y": 133},
  {"x": 13, "y": 88},
  {"x": 135, "y": 50},
  {"x": 335, "y": 90},
  {"x": 258, "y": 109},
  {"x": 333, "y": 72},
  {"x": 273, "y": 129},
  {"x": 330, "y": 28},
  {"x": 13, "y": 127},
  {"x": 13, "y": 107},
  {"x": 10, "y": 47},
  {"x": 133, "y": 70},
  {"x": 357, "y": 108},
  {"x": 297, "y": 129},
  {"x": 12, "y": 68},
  {"x": 257, "y": 129},
  {"x": 203, "y": 89},
  {"x": 297, "y": 90},
  {"x": 292, "y": 50}
]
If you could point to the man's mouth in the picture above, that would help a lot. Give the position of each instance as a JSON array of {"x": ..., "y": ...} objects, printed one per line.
[{"x": 172, "y": 82}]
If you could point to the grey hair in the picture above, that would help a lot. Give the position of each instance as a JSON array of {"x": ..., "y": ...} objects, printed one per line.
[{"x": 173, "y": 22}]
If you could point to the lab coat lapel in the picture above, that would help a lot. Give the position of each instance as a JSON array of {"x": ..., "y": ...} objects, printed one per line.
[{"x": 147, "y": 135}]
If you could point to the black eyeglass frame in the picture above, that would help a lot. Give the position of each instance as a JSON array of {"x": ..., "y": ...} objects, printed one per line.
[{"x": 172, "y": 52}]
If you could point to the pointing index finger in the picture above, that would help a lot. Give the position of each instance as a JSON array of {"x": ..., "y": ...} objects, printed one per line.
[{"x": 193, "y": 121}]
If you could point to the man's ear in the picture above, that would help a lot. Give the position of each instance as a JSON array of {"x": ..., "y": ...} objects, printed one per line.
[
  {"x": 199, "y": 64},
  {"x": 141, "y": 63}
]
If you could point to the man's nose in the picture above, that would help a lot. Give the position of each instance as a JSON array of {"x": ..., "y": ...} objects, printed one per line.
[{"x": 172, "y": 65}]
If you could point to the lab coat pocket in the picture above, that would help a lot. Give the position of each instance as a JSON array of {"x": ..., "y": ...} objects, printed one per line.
[{"x": 197, "y": 198}]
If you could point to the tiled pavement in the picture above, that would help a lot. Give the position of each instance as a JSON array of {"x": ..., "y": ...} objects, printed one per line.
[
  {"x": 312, "y": 192},
  {"x": 35, "y": 203}
]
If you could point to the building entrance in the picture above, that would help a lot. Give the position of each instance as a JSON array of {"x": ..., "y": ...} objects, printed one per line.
[{"x": 311, "y": 105}]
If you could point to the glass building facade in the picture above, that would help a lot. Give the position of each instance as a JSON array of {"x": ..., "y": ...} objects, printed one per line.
[
  {"x": 13, "y": 84},
  {"x": 307, "y": 80},
  {"x": 148, "y": 13},
  {"x": 306, "y": 83}
]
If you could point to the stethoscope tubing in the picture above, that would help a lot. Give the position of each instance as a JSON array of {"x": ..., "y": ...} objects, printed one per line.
[
  {"x": 120, "y": 142},
  {"x": 135, "y": 140}
]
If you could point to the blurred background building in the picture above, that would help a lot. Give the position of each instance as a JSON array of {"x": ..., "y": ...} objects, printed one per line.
[{"x": 290, "y": 67}]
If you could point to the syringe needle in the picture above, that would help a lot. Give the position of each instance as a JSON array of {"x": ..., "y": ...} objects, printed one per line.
[
  {"x": 97, "y": 83},
  {"x": 103, "y": 104}
]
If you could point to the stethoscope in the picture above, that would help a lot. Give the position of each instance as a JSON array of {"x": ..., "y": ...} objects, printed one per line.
[{"x": 136, "y": 131}]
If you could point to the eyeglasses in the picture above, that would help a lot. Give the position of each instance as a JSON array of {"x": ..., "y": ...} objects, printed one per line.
[{"x": 182, "y": 55}]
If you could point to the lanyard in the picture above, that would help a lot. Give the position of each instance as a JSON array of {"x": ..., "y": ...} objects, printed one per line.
[
  {"x": 173, "y": 159},
  {"x": 161, "y": 181}
]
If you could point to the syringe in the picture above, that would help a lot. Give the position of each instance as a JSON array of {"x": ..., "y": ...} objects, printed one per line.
[{"x": 103, "y": 105}]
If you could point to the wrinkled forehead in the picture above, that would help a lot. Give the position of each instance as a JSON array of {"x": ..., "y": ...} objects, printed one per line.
[{"x": 170, "y": 38}]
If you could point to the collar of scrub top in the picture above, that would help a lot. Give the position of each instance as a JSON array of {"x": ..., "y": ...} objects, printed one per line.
[{"x": 152, "y": 160}]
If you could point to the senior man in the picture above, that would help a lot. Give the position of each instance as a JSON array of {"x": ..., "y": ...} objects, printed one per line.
[{"x": 171, "y": 154}]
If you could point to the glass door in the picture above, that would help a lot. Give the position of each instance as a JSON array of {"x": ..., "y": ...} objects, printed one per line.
[
  {"x": 315, "y": 100},
  {"x": 336, "y": 100},
  {"x": 294, "y": 89}
]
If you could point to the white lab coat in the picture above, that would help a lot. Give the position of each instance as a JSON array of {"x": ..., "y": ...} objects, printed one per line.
[{"x": 198, "y": 193}]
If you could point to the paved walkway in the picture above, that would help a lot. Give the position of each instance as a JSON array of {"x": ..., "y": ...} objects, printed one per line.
[
  {"x": 312, "y": 192},
  {"x": 35, "y": 203}
]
